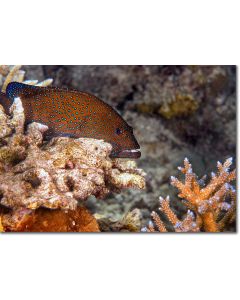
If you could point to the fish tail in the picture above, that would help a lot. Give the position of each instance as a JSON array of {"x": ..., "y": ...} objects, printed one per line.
[{"x": 5, "y": 102}]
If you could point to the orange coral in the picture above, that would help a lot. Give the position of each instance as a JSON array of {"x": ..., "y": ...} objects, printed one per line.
[
  {"x": 211, "y": 206},
  {"x": 187, "y": 225},
  {"x": 47, "y": 220}
]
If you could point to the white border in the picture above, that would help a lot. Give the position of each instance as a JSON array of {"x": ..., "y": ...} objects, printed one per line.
[{"x": 107, "y": 266}]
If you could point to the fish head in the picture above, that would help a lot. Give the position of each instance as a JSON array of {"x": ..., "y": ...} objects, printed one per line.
[
  {"x": 112, "y": 128},
  {"x": 124, "y": 142}
]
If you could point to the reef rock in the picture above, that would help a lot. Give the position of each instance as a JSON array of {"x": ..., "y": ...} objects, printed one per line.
[
  {"x": 58, "y": 174},
  {"x": 48, "y": 220}
]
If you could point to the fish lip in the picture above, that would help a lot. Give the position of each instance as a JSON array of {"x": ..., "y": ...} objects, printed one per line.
[{"x": 129, "y": 153}]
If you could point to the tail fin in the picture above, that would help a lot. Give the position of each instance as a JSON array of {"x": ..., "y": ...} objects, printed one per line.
[{"x": 5, "y": 102}]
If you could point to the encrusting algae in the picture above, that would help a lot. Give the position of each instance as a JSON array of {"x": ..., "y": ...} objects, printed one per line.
[
  {"x": 36, "y": 176},
  {"x": 46, "y": 220}
]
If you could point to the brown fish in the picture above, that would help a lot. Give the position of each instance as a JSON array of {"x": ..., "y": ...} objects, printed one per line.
[
  {"x": 74, "y": 114},
  {"x": 5, "y": 102}
]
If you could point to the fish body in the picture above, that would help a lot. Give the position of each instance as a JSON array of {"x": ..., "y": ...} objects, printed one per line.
[
  {"x": 5, "y": 102},
  {"x": 74, "y": 114}
]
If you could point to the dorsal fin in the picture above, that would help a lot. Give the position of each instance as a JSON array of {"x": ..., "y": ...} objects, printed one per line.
[{"x": 17, "y": 89}]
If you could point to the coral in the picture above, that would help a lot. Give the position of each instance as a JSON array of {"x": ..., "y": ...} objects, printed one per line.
[
  {"x": 211, "y": 207},
  {"x": 181, "y": 94},
  {"x": 182, "y": 105},
  {"x": 204, "y": 136},
  {"x": 130, "y": 222},
  {"x": 14, "y": 73},
  {"x": 46, "y": 220},
  {"x": 188, "y": 224},
  {"x": 58, "y": 174},
  {"x": 207, "y": 135},
  {"x": 1, "y": 225},
  {"x": 42, "y": 183}
]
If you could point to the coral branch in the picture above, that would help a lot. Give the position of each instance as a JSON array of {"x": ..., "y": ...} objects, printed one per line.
[
  {"x": 160, "y": 225},
  {"x": 188, "y": 224},
  {"x": 210, "y": 209}
]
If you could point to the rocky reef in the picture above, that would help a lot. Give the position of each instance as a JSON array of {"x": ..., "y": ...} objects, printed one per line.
[
  {"x": 59, "y": 174},
  {"x": 176, "y": 112}
]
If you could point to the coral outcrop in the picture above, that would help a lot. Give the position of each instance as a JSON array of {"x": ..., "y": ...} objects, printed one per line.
[
  {"x": 130, "y": 222},
  {"x": 211, "y": 207},
  {"x": 57, "y": 174},
  {"x": 36, "y": 175},
  {"x": 46, "y": 220}
]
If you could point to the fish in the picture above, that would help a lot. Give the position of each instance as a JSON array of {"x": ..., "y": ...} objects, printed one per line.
[
  {"x": 5, "y": 102},
  {"x": 74, "y": 114}
]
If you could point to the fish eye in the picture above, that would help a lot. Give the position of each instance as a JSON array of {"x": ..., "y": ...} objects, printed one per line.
[
  {"x": 130, "y": 128},
  {"x": 118, "y": 131}
]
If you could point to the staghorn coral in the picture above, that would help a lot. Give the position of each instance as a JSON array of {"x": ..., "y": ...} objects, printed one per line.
[
  {"x": 46, "y": 220},
  {"x": 60, "y": 173},
  {"x": 188, "y": 224},
  {"x": 211, "y": 207}
]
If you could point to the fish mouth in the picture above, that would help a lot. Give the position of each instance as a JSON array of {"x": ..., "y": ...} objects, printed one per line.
[{"x": 129, "y": 153}]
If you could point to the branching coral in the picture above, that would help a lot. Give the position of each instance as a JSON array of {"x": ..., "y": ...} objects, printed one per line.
[
  {"x": 188, "y": 224},
  {"x": 211, "y": 207}
]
